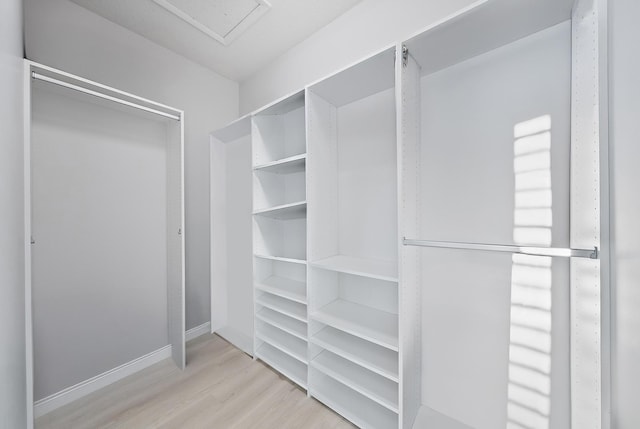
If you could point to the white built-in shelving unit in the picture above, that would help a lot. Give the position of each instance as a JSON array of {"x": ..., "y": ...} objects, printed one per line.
[
  {"x": 419, "y": 141},
  {"x": 280, "y": 237}
]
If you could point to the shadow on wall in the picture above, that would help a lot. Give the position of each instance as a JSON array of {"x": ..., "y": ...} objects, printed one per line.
[{"x": 529, "y": 387}]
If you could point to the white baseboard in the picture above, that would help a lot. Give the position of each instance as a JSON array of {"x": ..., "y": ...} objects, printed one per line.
[
  {"x": 237, "y": 338},
  {"x": 198, "y": 331},
  {"x": 70, "y": 394}
]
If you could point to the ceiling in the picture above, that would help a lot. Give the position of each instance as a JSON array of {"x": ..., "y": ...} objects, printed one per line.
[{"x": 251, "y": 33}]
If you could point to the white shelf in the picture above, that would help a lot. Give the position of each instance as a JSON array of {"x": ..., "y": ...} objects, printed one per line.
[
  {"x": 428, "y": 418},
  {"x": 359, "y": 81},
  {"x": 239, "y": 128},
  {"x": 375, "y": 358},
  {"x": 283, "y": 105},
  {"x": 297, "y": 210},
  {"x": 292, "y": 164},
  {"x": 365, "y": 322},
  {"x": 293, "y": 369},
  {"x": 287, "y": 324},
  {"x": 286, "y": 343},
  {"x": 381, "y": 270},
  {"x": 369, "y": 384},
  {"x": 350, "y": 404},
  {"x": 284, "y": 306},
  {"x": 286, "y": 288},
  {"x": 282, "y": 259}
]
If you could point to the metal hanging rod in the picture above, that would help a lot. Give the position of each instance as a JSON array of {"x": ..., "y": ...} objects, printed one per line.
[
  {"x": 103, "y": 96},
  {"x": 525, "y": 250}
]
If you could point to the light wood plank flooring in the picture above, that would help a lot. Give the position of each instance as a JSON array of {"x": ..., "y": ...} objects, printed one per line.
[{"x": 221, "y": 387}]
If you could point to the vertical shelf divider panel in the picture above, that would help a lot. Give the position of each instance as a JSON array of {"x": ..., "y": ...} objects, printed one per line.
[
  {"x": 590, "y": 289},
  {"x": 410, "y": 296},
  {"x": 231, "y": 241},
  {"x": 278, "y": 134},
  {"x": 352, "y": 275}
]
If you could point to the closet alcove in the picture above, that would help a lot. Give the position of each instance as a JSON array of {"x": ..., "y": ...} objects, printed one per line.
[
  {"x": 104, "y": 217},
  {"x": 421, "y": 253}
]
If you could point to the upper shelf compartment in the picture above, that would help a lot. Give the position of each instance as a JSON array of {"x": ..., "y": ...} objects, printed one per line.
[
  {"x": 360, "y": 81},
  {"x": 352, "y": 170},
  {"x": 278, "y": 134},
  {"x": 237, "y": 129},
  {"x": 296, "y": 210},
  {"x": 293, "y": 164},
  {"x": 376, "y": 269},
  {"x": 490, "y": 25}
]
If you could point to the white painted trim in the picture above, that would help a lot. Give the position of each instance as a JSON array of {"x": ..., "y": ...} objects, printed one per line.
[
  {"x": 262, "y": 7},
  {"x": 238, "y": 339},
  {"x": 198, "y": 331},
  {"x": 217, "y": 237},
  {"x": 70, "y": 394},
  {"x": 86, "y": 83},
  {"x": 86, "y": 387},
  {"x": 605, "y": 219},
  {"x": 28, "y": 314}
]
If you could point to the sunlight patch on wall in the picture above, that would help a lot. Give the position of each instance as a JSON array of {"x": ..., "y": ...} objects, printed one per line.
[{"x": 529, "y": 389}]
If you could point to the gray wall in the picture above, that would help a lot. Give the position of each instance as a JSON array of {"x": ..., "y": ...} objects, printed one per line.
[
  {"x": 99, "y": 218},
  {"x": 61, "y": 34},
  {"x": 13, "y": 410},
  {"x": 625, "y": 172}
]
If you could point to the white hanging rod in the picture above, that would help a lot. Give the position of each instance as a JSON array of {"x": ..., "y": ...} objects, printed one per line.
[
  {"x": 101, "y": 95},
  {"x": 525, "y": 250}
]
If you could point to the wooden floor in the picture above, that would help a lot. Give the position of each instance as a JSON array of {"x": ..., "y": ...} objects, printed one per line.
[{"x": 221, "y": 387}]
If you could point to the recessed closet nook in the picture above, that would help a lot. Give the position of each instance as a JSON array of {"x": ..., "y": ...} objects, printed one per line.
[
  {"x": 104, "y": 176},
  {"x": 415, "y": 240}
]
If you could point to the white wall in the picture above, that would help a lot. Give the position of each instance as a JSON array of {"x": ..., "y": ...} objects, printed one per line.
[
  {"x": 625, "y": 216},
  {"x": 13, "y": 409},
  {"x": 61, "y": 34},
  {"x": 365, "y": 29}
]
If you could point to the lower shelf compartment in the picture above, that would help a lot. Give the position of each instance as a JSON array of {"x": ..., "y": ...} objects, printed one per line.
[
  {"x": 283, "y": 305},
  {"x": 282, "y": 259},
  {"x": 287, "y": 288},
  {"x": 291, "y": 368},
  {"x": 356, "y": 408},
  {"x": 365, "y": 382},
  {"x": 365, "y": 322},
  {"x": 428, "y": 418},
  {"x": 294, "y": 210},
  {"x": 286, "y": 343},
  {"x": 286, "y": 323},
  {"x": 378, "y": 359}
]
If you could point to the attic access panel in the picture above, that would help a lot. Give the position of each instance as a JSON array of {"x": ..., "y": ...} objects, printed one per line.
[{"x": 222, "y": 20}]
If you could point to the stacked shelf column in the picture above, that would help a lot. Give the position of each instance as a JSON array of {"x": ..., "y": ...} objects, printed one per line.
[
  {"x": 280, "y": 238},
  {"x": 352, "y": 271}
]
